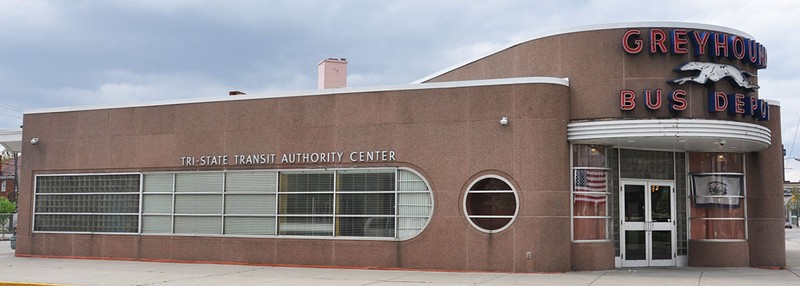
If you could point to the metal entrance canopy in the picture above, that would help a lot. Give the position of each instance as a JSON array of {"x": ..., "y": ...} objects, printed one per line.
[{"x": 698, "y": 135}]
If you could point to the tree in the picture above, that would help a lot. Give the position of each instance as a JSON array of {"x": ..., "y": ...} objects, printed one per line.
[
  {"x": 5, "y": 155},
  {"x": 6, "y": 209}
]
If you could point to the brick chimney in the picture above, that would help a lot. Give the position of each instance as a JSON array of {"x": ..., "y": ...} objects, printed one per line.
[{"x": 332, "y": 73}]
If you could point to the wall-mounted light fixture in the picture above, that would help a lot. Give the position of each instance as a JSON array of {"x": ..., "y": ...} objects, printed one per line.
[
  {"x": 34, "y": 141},
  {"x": 504, "y": 121}
]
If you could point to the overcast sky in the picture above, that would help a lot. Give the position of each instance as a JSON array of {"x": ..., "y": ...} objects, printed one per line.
[{"x": 74, "y": 53}]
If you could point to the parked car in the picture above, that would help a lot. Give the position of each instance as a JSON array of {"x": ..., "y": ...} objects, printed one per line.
[{"x": 788, "y": 225}]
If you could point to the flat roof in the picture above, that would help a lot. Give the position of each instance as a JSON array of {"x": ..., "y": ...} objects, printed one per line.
[
  {"x": 330, "y": 91},
  {"x": 587, "y": 28}
]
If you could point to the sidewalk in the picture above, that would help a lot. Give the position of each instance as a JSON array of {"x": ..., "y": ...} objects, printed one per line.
[{"x": 104, "y": 272}]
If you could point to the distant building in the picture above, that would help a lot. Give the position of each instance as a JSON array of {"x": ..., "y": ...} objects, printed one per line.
[
  {"x": 788, "y": 189},
  {"x": 11, "y": 141},
  {"x": 7, "y": 178}
]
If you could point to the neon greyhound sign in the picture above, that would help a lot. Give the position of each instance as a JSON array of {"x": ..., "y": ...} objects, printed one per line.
[
  {"x": 714, "y": 46},
  {"x": 715, "y": 72}
]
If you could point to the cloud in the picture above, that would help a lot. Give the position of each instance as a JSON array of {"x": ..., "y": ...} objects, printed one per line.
[
  {"x": 791, "y": 170},
  {"x": 20, "y": 17},
  {"x": 126, "y": 87}
]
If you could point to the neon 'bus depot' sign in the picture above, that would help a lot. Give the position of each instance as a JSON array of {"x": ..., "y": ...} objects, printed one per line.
[{"x": 704, "y": 45}]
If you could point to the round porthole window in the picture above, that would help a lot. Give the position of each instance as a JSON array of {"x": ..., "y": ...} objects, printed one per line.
[{"x": 491, "y": 204}]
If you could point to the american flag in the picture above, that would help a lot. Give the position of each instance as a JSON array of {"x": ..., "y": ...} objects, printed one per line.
[{"x": 590, "y": 180}]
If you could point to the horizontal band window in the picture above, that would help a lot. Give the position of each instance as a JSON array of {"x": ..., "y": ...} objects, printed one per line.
[{"x": 371, "y": 203}]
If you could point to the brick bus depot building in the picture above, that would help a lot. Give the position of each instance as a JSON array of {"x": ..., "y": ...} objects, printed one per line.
[{"x": 636, "y": 144}]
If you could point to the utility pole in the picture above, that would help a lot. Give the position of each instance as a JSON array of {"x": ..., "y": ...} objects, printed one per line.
[{"x": 15, "y": 193}]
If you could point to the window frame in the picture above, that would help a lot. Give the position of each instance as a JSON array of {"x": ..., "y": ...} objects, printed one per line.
[
  {"x": 36, "y": 194},
  {"x": 743, "y": 197},
  {"x": 470, "y": 217},
  {"x": 338, "y": 214},
  {"x": 608, "y": 218},
  {"x": 223, "y": 215}
]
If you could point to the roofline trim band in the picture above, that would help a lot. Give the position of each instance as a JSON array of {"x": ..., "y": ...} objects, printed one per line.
[{"x": 331, "y": 91}]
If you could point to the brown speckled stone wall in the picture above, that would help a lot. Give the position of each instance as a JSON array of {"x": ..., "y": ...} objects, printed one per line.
[
  {"x": 718, "y": 254},
  {"x": 765, "y": 220},
  {"x": 598, "y": 68},
  {"x": 449, "y": 135}
]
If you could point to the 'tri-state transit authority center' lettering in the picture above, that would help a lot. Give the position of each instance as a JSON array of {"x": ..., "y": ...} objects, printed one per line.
[{"x": 289, "y": 158}]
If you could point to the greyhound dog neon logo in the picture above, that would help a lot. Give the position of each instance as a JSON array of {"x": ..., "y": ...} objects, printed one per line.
[{"x": 715, "y": 72}]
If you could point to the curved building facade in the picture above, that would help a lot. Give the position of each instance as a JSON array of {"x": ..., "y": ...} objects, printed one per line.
[{"x": 638, "y": 144}]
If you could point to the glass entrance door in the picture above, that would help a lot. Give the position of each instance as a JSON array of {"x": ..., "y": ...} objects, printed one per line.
[{"x": 647, "y": 215}]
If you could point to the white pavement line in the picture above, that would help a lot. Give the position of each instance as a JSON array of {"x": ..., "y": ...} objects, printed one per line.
[
  {"x": 493, "y": 278},
  {"x": 199, "y": 277},
  {"x": 397, "y": 280},
  {"x": 598, "y": 278},
  {"x": 793, "y": 272}
]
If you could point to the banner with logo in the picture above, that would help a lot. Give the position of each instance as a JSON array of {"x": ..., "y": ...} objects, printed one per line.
[{"x": 713, "y": 189}]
